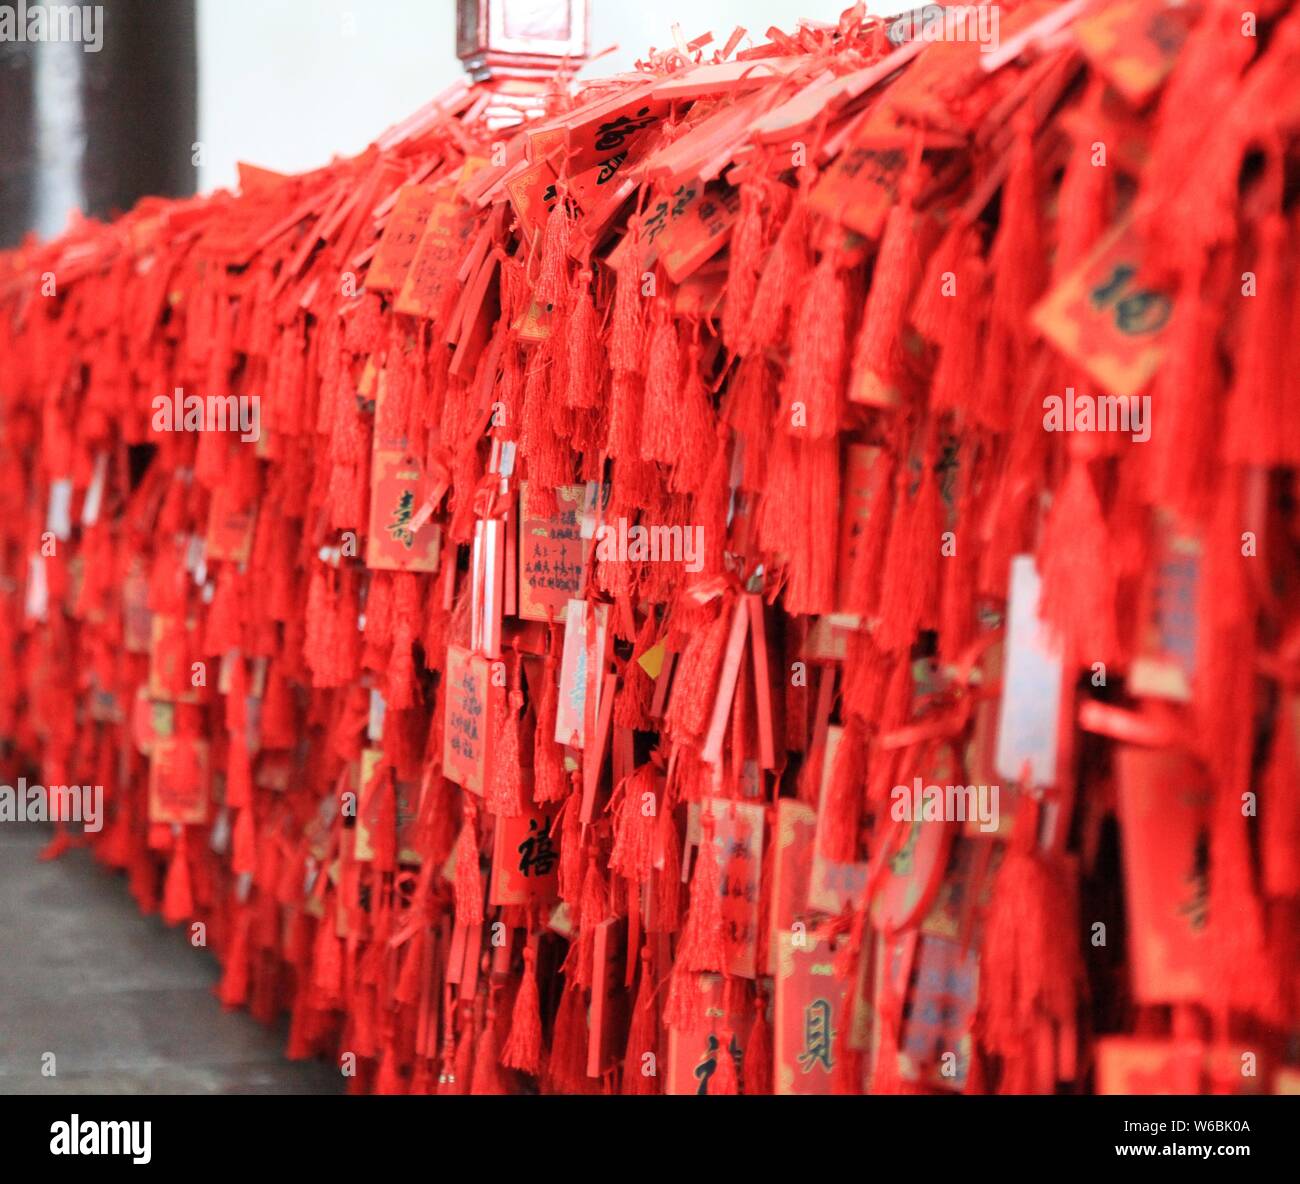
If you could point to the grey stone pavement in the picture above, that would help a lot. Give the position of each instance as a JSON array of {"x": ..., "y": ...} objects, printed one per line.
[{"x": 124, "y": 1003}]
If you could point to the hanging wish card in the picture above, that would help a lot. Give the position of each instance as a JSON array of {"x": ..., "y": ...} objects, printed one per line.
[
  {"x": 431, "y": 280},
  {"x": 1163, "y": 811},
  {"x": 393, "y": 543},
  {"x": 407, "y": 801},
  {"x": 810, "y": 1010},
  {"x": 833, "y": 884},
  {"x": 178, "y": 780},
  {"x": 401, "y": 239},
  {"x": 794, "y": 836},
  {"x": 1031, "y": 687},
  {"x": 1106, "y": 318},
  {"x": 1166, "y": 659},
  {"x": 1134, "y": 43},
  {"x": 935, "y": 1045},
  {"x": 584, "y": 633},
  {"x": 466, "y": 739},
  {"x": 551, "y": 551},
  {"x": 738, "y": 849},
  {"x": 693, "y": 1052},
  {"x": 525, "y": 858}
]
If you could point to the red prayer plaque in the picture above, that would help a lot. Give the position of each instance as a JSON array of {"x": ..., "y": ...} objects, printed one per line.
[
  {"x": 401, "y": 239},
  {"x": 408, "y": 808},
  {"x": 599, "y": 133},
  {"x": 608, "y": 1018},
  {"x": 431, "y": 279},
  {"x": 137, "y": 619},
  {"x": 584, "y": 635},
  {"x": 178, "y": 780},
  {"x": 915, "y": 869},
  {"x": 1163, "y": 809},
  {"x": 862, "y": 184},
  {"x": 833, "y": 885},
  {"x": 1135, "y": 1065},
  {"x": 172, "y": 652},
  {"x": 525, "y": 858},
  {"x": 1166, "y": 661},
  {"x": 230, "y": 528},
  {"x": 1133, "y": 43},
  {"x": 859, "y": 491},
  {"x": 466, "y": 748},
  {"x": 533, "y": 195},
  {"x": 391, "y": 543},
  {"x": 796, "y": 824},
  {"x": 699, "y": 226},
  {"x": 738, "y": 848},
  {"x": 551, "y": 550},
  {"x": 810, "y": 1010},
  {"x": 693, "y": 1053},
  {"x": 1106, "y": 318},
  {"x": 945, "y": 992}
]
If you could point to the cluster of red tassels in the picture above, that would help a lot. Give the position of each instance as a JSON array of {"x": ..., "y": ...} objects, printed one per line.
[{"x": 395, "y": 704}]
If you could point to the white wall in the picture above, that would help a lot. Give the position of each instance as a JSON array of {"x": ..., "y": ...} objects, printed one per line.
[{"x": 289, "y": 83}]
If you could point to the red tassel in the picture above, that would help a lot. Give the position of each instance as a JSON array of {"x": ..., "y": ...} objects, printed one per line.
[
  {"x": 586, "y": 359},
  {"x": 747, "y": 240},
  {"x": 879, "y": 349},
  {"x": 409, "y": 985},
  {"x": 550, "y": 780},
  {"x": 783, "y": 275},
  {"x": 636, "y": 688},
  {"x": 1026, "y": 973},
  {"x": 234, "y": 979},
  {"x": 758, "y": 1052},
  {"x": 566, "y": 1068},
  {"x": 243, "y": 855},
  {"x": 469, "y": 878},
  {"x": 725, "y": 1082},
  {"x": 640, "y": 1061},
  {"x": 389, "y": 1079},
  {"x": 1078, "y": 600},
  {"x": 523, "y": 1048},
  {"x": 814, "y": 382},
  {"x": 668, "y": 883},
  {"x": 327, "y": 957},
  {"x": 661, "y": 422},
  {"x": 701, "y": 946},
  {"x": 178, "y": 902},
  {"x": 487, "y": 1068},
  {"x": 636, "y": 826},
  {"x": 553, "y": 272}
]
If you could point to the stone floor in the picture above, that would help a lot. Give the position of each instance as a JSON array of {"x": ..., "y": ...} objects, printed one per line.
[{"x": 124, "y": 1003}]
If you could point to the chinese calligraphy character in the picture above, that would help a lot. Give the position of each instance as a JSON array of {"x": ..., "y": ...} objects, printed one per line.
[
  {"x": 537, "y": 850},
  {"x": 398, "y": 527},
  {"x": 817, "y": 1036},
  {"x": 708, "y": 1063}
]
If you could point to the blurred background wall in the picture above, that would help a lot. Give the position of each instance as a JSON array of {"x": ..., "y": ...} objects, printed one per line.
[{"x": 95, "y": 130}]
